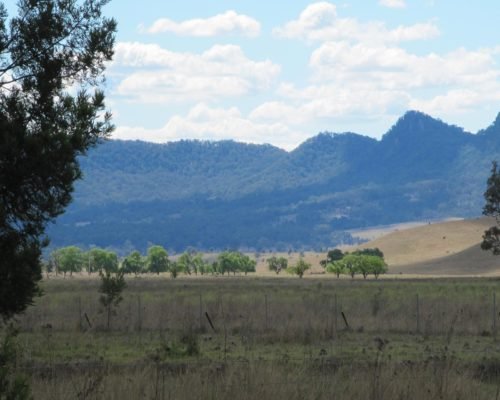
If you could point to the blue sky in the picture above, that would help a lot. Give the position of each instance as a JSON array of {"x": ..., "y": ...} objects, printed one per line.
[{"x": 279, "y": 72}]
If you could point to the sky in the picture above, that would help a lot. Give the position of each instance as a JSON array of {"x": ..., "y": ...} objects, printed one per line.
[{"x": 280, "y": 72}]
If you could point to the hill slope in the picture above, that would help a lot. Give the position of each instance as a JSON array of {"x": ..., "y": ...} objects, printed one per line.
[
  {"x": 446, "y": 248},
  {"x": 215, "y": 195},
  {"x": 429, "y": 242}
]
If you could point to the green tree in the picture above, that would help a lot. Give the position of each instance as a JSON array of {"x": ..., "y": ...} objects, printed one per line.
[
  {"x": 491, "y": 237},
  {"x": 226, "y": 262},
  {"x": 332, "y": 256},
  {"x": 378, "y": 266},
  {"x": 234, "y": 261},
  {"x": 246, "y": 264},
  {"x": 337, "y": 267},
  {"x": 49, "y": 51},
  {"x": 190, "y": 262},
  {"x": 134, "y": 263},
  {"x": 299, "y": 268},
  {"x": 277, "y": 264},
  {"x": 157, "y": 259},
  {"x": 351, "y": 262},
  {"x": 174, "y": 268},
  {"x": 71, "y": 259},
  {"x": 102, "y": 260},
  {"x": 112, "y": 286}
]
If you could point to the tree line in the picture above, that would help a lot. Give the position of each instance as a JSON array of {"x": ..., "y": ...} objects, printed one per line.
[
  {"x": 72, "y": 259},
  {"x": 363, "y": 262}
]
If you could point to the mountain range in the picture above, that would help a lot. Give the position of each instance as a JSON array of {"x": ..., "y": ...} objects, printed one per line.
[{"x": 219, "y": 195}]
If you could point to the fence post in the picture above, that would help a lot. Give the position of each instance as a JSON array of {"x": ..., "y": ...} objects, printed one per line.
[{"x": 418, "y": 315}]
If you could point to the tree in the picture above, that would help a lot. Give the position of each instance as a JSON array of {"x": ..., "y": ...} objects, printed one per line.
[
  {"x": 234, "y": 261},
  {"x": 71, "y": 259},
  {"x": 491, "y": 237},
  {"x": 112, "y": 286},
  {"x": 337, "y": 267},
  {"x": 277, "y": 264},
  {"x": 174, "y": 268},
  {"x": 351, "y": 262},
  {"x": 332, "y": 256},
  {"x": 299, "y": 268},
  {"x": 226, "y": 262},
  {"x": 157, "y": 259},
  {"x": 378, "y": 266},
  {"x": 49, "y": 51},
  {"x": 190, "y": 261},
  {"x": 133, "y": 263},
  {"x": 246, "y": 264},
  {"x": 102, "y": 260}
]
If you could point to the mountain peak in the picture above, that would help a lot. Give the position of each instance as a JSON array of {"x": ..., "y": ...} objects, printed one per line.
[
  {"x": 416, "y": 121},
  {"x": 416, "y": 125}
]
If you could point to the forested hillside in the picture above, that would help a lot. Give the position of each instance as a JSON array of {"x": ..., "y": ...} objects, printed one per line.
[{"x": 217, "y": 195}]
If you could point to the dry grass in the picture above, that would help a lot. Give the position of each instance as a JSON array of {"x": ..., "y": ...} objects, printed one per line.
[{"x": 430, "y": 241}]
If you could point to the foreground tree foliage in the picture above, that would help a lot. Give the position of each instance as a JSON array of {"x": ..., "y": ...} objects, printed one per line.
[
  {"x": 491, "y": 237},
  {"x": 50, "y": 46}
]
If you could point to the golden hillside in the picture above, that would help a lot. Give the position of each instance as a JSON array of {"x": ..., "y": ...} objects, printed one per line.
[{"x": 431, "y": 241}]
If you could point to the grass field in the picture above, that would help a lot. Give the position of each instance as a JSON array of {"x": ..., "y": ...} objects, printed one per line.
[{"x": 272, "y": 338}]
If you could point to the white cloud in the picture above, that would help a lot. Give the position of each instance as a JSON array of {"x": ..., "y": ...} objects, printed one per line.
[
  {"x": 159, "y": 75},
  {"x": 320, "y": 22},
  {"x": 227, "y": 23},
  {"x": 204, "y": 122},
  {"x": 390, "y": 68},
  {"x": 393, "y": 3},
  {"x": 459, "y": 100}
]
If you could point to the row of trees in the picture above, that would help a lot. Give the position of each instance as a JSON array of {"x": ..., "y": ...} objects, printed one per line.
[
  {"x": 363, "y": 262},
  {"x": 72, "y": 259}
]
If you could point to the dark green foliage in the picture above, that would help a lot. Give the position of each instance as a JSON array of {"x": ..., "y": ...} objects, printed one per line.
[
  {"x": 491, "y": 237},
  {"x": 376, "y": 252},
  {"x": 233, "y": 195},
  {"x": 332, "y": 256},
  {"x": 44, "y": 128}
]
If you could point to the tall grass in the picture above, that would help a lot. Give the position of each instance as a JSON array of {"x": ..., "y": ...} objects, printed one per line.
[{"x": 271, "y": 338}]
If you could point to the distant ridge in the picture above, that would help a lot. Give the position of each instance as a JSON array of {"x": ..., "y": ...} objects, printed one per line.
[{"x": 216, "y": 195}]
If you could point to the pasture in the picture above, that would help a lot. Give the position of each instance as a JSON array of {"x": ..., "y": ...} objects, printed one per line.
[{"x": 265, "y": 337}]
